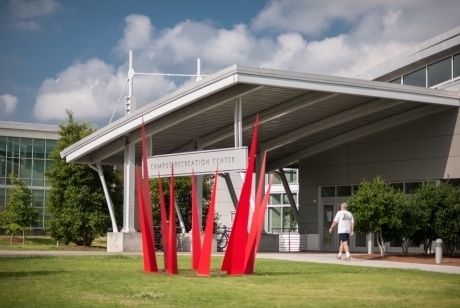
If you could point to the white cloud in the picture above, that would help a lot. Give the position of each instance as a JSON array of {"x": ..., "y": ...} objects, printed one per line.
[
  {"x": 8, "y": 105},
  {"x": 22, "y": 9},
  {"x": 414, "y": 20},
  {"x": 136, "y": 34},
  {"x": 91, "y": 90},
  {"x": 378, "y": 32},
  {"x": 29, "y": 25}
]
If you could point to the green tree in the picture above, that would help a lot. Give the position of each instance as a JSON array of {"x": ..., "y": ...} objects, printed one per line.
[
  {"x": 376, "y": 207},
  {"x": 76, "y": 201},
  {"x": 183, "y": 191},
  {"x": 439, "y": 214},
  {"x": 19, "y": 213}
]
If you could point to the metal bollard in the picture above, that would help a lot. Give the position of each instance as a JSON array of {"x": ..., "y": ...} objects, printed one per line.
[{"x": 438, "y": 251}]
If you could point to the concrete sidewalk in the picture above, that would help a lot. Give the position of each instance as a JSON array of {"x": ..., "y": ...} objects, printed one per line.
[
  {"x": 286, "y": 256},
  {"x": 331, "y": 259}
]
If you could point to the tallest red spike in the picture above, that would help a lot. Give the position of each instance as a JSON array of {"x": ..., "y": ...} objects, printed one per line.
[
  {"x": 146, "y": 209},
  {"x": 196, "y": 240},
  {"x": 172, "y": 250},
  {"x": 234, "y": 259}
]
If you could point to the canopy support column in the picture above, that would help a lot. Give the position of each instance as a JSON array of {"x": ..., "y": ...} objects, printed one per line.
[
  {"x": 231, "y": 188},
  {"x": 238, "y": 123},
  {"x": 99, "y": 171},
  {"x": 128, "y": 188},
  {"x": 292, "y": 202}
]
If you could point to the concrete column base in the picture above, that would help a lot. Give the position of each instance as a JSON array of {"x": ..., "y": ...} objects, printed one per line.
[
  {"x": 124, "y": 242},
  {"x": 187, "y": 247}
]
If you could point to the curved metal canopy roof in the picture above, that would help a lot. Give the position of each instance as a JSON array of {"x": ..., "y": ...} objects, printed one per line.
[{"x": 300, "y": 115}]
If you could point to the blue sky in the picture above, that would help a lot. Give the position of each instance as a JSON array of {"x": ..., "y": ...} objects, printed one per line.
[{"x": 73, "y": 54}]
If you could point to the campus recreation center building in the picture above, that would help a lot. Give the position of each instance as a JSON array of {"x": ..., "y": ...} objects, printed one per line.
[
  {"x": 24, "y": 150},
  {"x": 322, "y": 134}
]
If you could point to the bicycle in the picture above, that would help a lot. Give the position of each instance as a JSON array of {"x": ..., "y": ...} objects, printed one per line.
[
  {"x": 222, "y": 238},
  {"x": 159, "y": 239}
]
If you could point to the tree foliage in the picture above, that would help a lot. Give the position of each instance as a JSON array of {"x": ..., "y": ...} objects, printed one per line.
[
  {"x": 377, "y": 208},
  {"x": 183, "y": 191},
  {"x": 438, "y": 207},
  {"x": 76, "y": 201},
  {"x": 19, "y": 213}
]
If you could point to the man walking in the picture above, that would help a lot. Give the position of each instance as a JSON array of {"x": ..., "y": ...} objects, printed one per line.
[{"x": 344, "y": 220}]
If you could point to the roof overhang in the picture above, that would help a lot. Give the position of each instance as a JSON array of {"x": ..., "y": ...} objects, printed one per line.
[{"x": 300, "y": 114}]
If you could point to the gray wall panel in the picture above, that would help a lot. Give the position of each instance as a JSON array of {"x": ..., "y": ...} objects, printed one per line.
[
  {"x": 444, "y": 146},
  {"x": 446, "y": 167},
  {"x": 447, "y": 124},
  {"x": 396, "y": 171},
  {"x": 326, "y": 175},
  {"x": 416, "y": 129},
  {"x": 391, "y": 150},
  {"x": 335, "y": 156}
]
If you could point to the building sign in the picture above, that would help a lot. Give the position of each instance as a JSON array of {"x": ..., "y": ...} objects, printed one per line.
[{"x": 199, "y": 162}]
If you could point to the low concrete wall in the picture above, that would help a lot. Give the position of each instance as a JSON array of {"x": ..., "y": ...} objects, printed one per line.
[
  {"x": 124, "y": 242},
  {"x": 269, "y": 243},
  {"x": 186, "y": 242}
]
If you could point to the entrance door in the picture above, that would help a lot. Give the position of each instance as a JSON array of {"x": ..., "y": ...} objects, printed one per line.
[{"x": 328, "y": 240}]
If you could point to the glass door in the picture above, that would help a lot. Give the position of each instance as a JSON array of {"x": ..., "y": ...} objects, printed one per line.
[{"x": 328, "y": 210}]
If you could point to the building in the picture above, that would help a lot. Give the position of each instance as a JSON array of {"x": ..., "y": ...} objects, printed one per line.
[
  {"x": 398, "y": 120},
  {"x": 24, "y": 150}
]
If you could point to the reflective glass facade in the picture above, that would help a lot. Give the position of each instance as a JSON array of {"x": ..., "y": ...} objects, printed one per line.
[
  {"x": 29, "y": 159},
  {"x": 434, "y": 74}
]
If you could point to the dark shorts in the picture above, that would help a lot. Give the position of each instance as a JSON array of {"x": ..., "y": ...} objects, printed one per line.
[{"x": 343, "y": 237}]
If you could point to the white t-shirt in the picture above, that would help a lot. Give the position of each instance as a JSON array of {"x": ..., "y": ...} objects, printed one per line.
[{"x": 344, "y": 219}]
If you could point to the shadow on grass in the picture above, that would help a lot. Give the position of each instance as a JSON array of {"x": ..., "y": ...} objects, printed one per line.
[
  {"x": 40, "y": 241},
  {"x": 7, "y": 275}
]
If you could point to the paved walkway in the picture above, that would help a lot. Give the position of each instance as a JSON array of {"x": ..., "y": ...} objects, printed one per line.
[{"x": 292, "y": 256}]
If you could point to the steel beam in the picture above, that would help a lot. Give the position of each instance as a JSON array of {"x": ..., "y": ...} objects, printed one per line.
[
  {"x": 108, "y": 150},
  {"x": 231, "y": 188},
  {"x": 267, "y": 115},
  {"x": 363, "y": 131},
  {"x": 193, "y": 110},
  {"x": 287, "y": 189},
  {"x": 328, "y": 122}
]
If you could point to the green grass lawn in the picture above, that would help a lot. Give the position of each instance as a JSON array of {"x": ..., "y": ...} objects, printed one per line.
[
  {"x": 118, "y": 281},
  {"x": 47, "y": 243}
]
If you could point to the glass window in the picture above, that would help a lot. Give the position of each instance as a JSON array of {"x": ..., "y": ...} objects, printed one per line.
[
  {"x": 397, "y": 186},
  {"x": 40, "y": 221},
  {"x": 50, "y": 146},
  {"x": 2, "y": 198},
  {"x": 25, "y": 169},
  {"x": 274, "y": 219},
  {"x": 343, "y": 191},
  {"x": 417, "y": 78},
  {"x": 397, "y": 80},
  {"x": 26, "y": 148},
  {"x": 457, "y": 65},
  {"x": 286, "y": 199},
  {"x": 39, "y": 198},
  {"x": 3, "y": 167},
  {"x": 13, "y": 147},
  {"x": 288, "y": 219},
  {"x": 276, "y": 178},
  {"x": 2, "y": 146},
  {"x": 328, "y": 191},
  {"x": 275, "y": 199},
  {"x": 39, "y": 148},
  {"x": 291, "y": 176},
  {"x": 38, "y": 169},
  {"x": 439, "y": 72},
  {"x": 12, "y": 165},
  {"x": 411, "y": 187}
]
